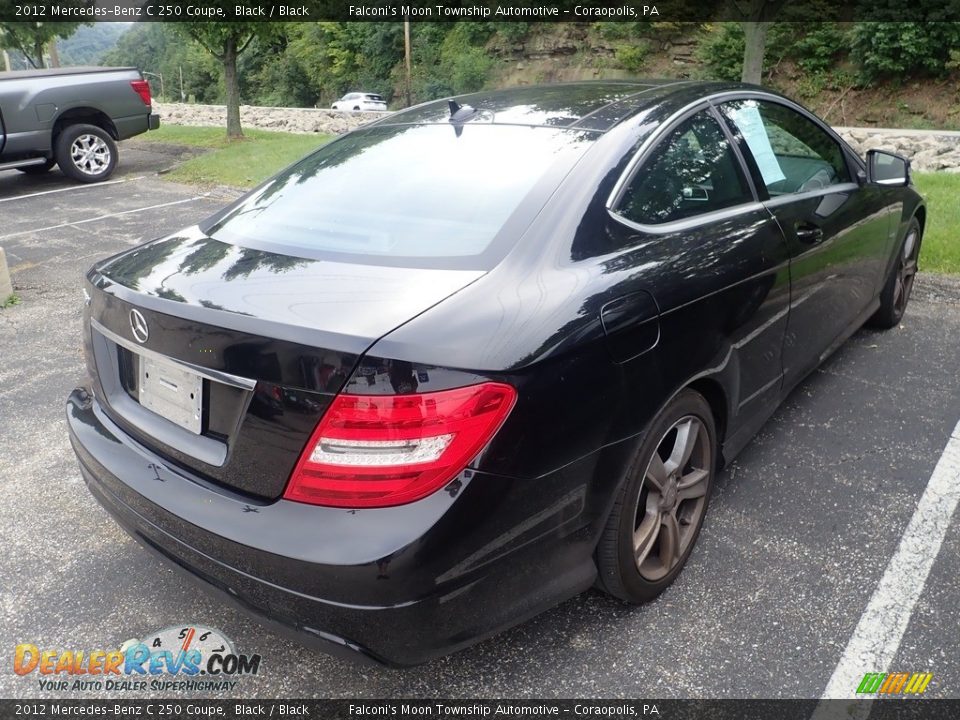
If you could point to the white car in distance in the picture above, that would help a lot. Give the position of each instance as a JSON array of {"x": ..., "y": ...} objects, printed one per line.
[{"x": 361, "y": 101}]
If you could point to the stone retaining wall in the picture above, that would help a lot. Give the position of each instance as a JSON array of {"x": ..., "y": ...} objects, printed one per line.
[
  {"x": 296, "y": 120},
  {"x": 928, "y": 152}
]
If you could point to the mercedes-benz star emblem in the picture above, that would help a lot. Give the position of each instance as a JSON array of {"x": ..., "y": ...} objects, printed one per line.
[{"x": 138, "y": 324}]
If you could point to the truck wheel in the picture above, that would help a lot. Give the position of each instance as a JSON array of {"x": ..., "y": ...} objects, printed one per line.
[
  {"x": 38, "y": 169},
  {"x": 86, "y": 153}
]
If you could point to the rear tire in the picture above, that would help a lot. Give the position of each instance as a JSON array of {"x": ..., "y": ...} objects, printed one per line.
[
  {"x": 660, "y": 506},
  {"x": 86, "y": 153},
  {"x": 896, "y": 290},
  {"x": 38, "y": 169}
]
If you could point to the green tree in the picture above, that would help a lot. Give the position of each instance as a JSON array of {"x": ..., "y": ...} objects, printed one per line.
[
  {"x": 226, "y": 41},
  {"x": 157, "y": 48},
  {"x": 31, "y": 38},
  {"x": 340, "y": 57},
  {"x": 271, "y": 75}
]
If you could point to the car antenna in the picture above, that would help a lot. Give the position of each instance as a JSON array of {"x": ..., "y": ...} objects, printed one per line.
[{"x": 459, "y": 114}]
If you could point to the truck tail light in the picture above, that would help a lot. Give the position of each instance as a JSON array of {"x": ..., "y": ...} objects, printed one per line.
[
  {"x": 141, "y": 88},
  {"x": 383, "y": 450}
]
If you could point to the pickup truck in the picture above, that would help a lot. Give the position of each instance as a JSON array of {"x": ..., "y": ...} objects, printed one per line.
[{"x": 71, "y": 117}]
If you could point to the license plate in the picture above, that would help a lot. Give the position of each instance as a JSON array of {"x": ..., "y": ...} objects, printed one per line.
[{"x": 172, "y": 392}]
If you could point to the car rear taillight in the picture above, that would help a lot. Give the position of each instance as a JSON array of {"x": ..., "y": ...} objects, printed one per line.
[
  {"x": 383, "y": 450},
  {"x": 141, "y": 88}
]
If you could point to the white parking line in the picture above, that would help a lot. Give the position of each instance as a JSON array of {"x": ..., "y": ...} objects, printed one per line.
[
  {"x": 71, "y": 188},
  {"x": 877, "y": 637},
  {"x": 100, "y": 217}
]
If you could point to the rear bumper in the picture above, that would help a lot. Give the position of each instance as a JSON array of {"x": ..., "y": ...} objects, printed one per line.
[
  {"x": 396, "y": 586},
  {"x": 132, "y": 125}
]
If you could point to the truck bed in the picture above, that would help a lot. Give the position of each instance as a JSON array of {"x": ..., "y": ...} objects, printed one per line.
[{"x": 51, "y": 72}]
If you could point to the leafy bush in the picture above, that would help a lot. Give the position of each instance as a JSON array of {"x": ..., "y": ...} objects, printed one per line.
[
  {"x": 281, "y": 82},
  {"x": 463, "y": 63},
  {"x": 815, "y": 47},
  {"x": 812, "y": 84},
  {"x": 954, "y": 62},
  {"x": 904, "y": 48},
  {"x": 818, "y": 49},
  {"x": 632, "y": 57},
  {"x": 721, "y": 50}
]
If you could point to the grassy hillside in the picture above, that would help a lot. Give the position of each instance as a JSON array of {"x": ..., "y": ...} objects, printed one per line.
[{"x": 831, "y": 85}]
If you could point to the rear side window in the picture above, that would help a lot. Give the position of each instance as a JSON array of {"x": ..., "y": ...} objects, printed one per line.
[
  {"x": 792, "y": 153},
  {"x": 692, "y": 171},
  {"x": 395, "y": 194}
]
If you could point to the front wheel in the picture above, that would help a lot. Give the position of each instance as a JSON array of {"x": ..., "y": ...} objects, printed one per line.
[
  {"x": 899, "y": 284},
  {"x": 86, "y": 153},
  {"x": 660, "y": 507}
]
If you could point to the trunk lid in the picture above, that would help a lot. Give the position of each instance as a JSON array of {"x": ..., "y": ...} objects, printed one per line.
[{"x": 266, "y": 339}]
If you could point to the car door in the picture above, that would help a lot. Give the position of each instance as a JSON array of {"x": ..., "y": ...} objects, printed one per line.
[
  {"x": 713, "y": 259},
  {"x": 836, "y": 231}
]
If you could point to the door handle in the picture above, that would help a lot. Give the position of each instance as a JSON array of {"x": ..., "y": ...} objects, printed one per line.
[{"x": 809, "y": 234}]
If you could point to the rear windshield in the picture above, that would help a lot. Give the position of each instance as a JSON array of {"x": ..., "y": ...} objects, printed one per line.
[
  {"x": 377, "y": 98},
  {"x": 400, "y": 195}
]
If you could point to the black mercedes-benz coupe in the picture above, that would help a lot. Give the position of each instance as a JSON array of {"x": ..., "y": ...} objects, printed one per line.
[{"x": 482, "y": 354}]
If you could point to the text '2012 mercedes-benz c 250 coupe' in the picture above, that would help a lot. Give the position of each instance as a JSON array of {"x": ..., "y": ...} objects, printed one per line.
[{"x": 478, "y": 356}]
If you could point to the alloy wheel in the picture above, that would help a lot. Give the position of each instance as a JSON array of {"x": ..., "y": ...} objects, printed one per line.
[
  {"x": 906, "y": 272},
  {"x": 90, "y": 154},
  {"x": 672, "y": 498}
]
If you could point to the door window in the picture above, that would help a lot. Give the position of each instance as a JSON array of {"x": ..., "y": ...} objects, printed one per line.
[
  {"x": 691, "y": 172},
  {"x": 792, "y": 153}
]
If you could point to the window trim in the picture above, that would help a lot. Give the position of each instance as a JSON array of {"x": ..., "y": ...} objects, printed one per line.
[
  {"x": 688, "y": 223},
  {"x": 652, "y": 144},
  {"x": 787, "y": 198}
]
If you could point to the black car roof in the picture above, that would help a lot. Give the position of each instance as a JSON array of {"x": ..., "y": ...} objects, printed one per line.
[{"x": 586, "y": 105}]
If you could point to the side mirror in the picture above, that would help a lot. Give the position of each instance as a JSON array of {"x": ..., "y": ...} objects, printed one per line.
[{"x": 886, "y": 168}]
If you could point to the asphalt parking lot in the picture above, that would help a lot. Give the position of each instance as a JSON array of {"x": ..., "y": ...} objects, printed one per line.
[{"x": 799, "y": 535}]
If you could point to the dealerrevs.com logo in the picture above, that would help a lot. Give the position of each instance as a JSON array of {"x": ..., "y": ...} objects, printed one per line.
[{"x": 200, "y": 658}]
